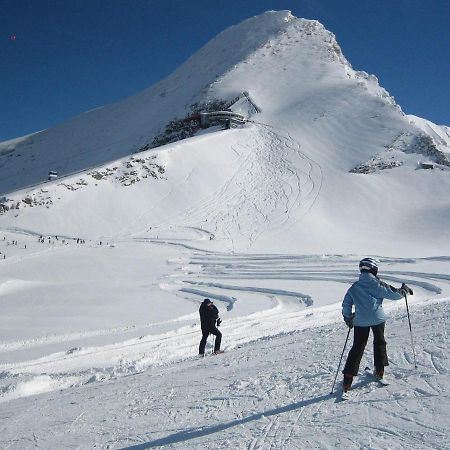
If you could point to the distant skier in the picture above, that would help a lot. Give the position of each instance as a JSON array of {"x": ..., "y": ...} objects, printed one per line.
[
  {"x": 366, "y": 296},
  {"x": 209, "y": 317}
]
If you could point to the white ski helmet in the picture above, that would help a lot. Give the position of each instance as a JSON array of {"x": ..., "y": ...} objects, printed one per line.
[{"x": 368, "y": 265}]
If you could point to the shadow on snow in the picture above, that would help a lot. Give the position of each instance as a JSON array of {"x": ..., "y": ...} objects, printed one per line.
[{"x": 198, "y": 432}]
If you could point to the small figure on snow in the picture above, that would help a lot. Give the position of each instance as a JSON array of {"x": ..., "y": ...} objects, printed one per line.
[
  {"x": 209, "y": 317},
  {"x": 362, "y": 309}
]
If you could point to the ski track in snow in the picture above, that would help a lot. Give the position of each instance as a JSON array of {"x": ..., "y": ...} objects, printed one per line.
[
  {"x": 273, "y": 185},
  {"x": 274, "y": 393},
  {"x": 226, "y": 278},
  {"x": 241, "y": 399},
  {"x": 273, "y": 180}
]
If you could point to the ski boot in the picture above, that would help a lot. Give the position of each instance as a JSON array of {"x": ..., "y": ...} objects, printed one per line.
[
  {"x": 347, "y": 382},
  {"x": 378, "y": 373}
]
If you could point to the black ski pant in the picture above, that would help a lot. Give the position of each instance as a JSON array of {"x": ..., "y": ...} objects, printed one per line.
[
  {"x": 361, "y": 334},
  {"x": 205, "y": 334}
]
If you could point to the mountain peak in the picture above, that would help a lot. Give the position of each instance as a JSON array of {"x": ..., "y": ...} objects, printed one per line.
[
  {"x": 296, "y": 76},
  {"x": 120, "y": 129}
]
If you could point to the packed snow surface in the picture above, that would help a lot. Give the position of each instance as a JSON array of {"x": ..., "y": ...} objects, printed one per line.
[{"x": 103, "y": 269}]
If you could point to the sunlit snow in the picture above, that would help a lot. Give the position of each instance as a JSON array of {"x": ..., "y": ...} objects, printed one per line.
[{"x": 102, "y": 270}]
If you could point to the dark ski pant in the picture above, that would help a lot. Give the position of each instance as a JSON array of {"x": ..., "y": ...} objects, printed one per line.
[
  {"x": 361, "y": 334},
  {"x": 205, "y": 334}
]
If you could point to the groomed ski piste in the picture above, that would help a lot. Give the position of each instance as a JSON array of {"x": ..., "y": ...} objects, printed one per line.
[
  {"x": 144, "y": 387},
  {"x": 102, "y": 271}
]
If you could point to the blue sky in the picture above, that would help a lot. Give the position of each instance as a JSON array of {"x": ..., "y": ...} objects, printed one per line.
[{"x": 59, "y": 58}]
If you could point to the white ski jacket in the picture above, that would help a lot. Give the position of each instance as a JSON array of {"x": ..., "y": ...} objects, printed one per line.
[{"x": 366, "y": 296}]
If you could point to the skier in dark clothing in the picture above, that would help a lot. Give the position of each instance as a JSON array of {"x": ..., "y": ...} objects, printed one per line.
[
  {"x": 209, "y": 317},
  {"x": 365, "y": 297}
]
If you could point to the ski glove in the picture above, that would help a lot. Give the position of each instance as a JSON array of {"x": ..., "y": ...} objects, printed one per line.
[
  {"x": 406, "y": 290},
  {"x": 219, "y": 321},
  {"x": 349, "y": 321}
]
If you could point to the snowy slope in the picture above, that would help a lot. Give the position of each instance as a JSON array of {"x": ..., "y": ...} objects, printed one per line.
[
  {"x": 439, "y": 133},
  {"x": 274, "y": 393},
  {"x": 289, "y": 171},
  {"x": 103, "y": 269},
  {"x": 104, "y": 134}
]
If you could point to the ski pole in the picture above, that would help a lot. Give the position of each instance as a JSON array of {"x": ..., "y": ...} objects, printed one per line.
[
  {"x": 339, "y": 366},
  {"x": 410, "y": 332}
]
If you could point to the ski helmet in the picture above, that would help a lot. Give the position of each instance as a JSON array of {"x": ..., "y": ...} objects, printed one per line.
[{"x": 368, "y": 265}]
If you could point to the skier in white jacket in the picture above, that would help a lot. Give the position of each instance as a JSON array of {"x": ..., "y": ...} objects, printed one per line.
[{"x": 362, "y": 309}]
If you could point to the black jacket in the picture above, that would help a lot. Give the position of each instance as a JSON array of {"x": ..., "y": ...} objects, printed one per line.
[{"x": 208, "y": 316}]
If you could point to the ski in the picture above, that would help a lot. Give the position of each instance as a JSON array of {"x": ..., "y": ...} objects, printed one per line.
[{"x": 380, "y": 381}]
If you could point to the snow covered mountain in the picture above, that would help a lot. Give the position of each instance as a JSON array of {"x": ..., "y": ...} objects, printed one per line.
[
  {"x": 102, "y": 269},
  {"x": 320, "y": 123}
]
